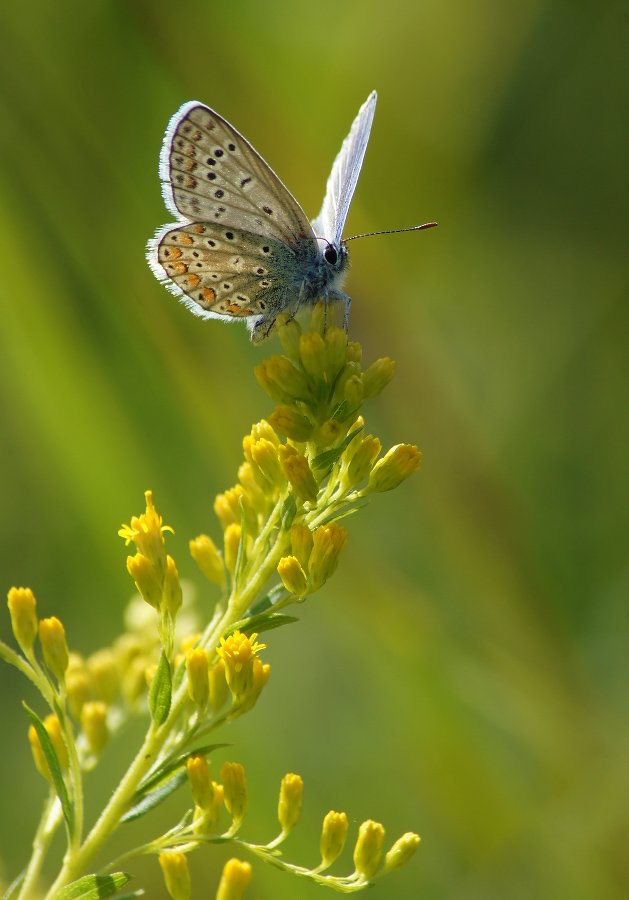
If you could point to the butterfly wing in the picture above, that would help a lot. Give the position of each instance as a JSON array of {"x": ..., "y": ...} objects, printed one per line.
[
  {"x": 330, "y": 222},
  {"x": 237, "y": 223}
]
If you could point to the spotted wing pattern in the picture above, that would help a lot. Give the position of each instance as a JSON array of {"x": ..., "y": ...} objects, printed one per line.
[{"x": 237, "y": 221}]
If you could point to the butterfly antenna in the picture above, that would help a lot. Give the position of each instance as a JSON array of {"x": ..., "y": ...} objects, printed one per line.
[{"x": 391, "y": 231}]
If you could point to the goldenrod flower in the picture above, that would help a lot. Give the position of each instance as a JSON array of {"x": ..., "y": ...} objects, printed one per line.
[
  {"x": 293, "y": 576},
  {"x": 176, "y": 874},
  {"x": 296, "y": 469},
  {"x": 328, "y": 541},
  {"x": 232, "y": 536},
  {"x": 104, "y": 677},
  {"x": 335, "y": 351},
  {"x": 333, "y": 835},
  {"x": 291, "y": 423},
  {"x": 238, "y": 652},
  {"x": 200, "y": 781},
  {"x": 264, "y": 456},
  {"x": 400, "y": 462},
  {"x": 148, "y": 577},
  {"x": 282, "y": 381},
  {"x": 368, "y": 849},
  {"x": 147, "y": 533},
  {"x": 172, "y": 595},
  {"x": 94, "y": 725},
  {"x": 78, "y": 686},
  {"x": 235, "y": 878},
  {"x": 208, "y": 558},
  {"x": 219, "y": 689},
  {"x": 289, "y": 805},
  {"x": 52, "y": 638},
  {"x": 400, "y": 853},
  {"x": 22, "y": 608},
  {"x": 235, "y": 790},
  {"x": 377, "y": 376},
  {"x": 312, "y": 354},
  {"x": 259, "y": 677},
  {"x": 363, "y": 459},
  {"x": 198, "y": 677},
  {"x": 227, "y": 506},
  {"x": 301, "y": 542}
]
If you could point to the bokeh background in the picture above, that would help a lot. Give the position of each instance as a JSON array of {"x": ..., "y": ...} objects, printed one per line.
[{"x": 466, "y": 673}]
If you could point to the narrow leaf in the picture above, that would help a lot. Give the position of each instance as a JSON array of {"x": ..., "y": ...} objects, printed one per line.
[
  {"x": 262, "y": 622},
  {"x": 160, "y": 693},
  {"x": 93, "y": 887},
  {"x": 55, "y": 769},
  {"x": 154, "y": 798},
  {"x": 327, "y": 459}
]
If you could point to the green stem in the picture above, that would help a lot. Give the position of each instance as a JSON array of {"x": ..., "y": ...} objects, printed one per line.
[{"x": 50, "y": 820}]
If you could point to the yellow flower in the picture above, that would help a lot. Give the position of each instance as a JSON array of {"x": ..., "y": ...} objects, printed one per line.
[
  {"x": 377, "y": 376},
  {"x": 200, "y": 782},
  {"x": 238, "y": 653},
  {"x": 53, "y": 728},
  {"x": 296, "y": 469},
  {"x": 289, "y": 805},
  {"x": 94, "y": 724},
  {"x": 301, "y": 542},
  {"x": 400, "y": 462},
  {"x": 368, "y": 849},
  {"x": 328, "y": 541},
  {"x": 235, "y": 790},
  {"x": 198, "y": 677},
  {"x": 208, "y": 558},
  {"x": 403, "y": 849},
  {"x": 235, "y": 878},
  {"x": 333, "y": 835},
  {"x": 52, "y": 638},
  {"x": 22, "y": 607},
  {"x": 147, "y": 533},
  {"x": 293, "y": 576},
  {"x": 176, "y": 874}
]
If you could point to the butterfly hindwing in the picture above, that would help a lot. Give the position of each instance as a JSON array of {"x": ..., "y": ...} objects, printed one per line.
[{"x": 223, "y": 271}]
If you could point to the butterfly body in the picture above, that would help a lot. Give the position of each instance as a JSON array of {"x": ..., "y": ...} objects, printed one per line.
[{"x": 242, "y": 246}]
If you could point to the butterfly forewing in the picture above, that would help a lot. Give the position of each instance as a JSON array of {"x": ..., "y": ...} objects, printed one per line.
[{"x": 213, "y": 174}]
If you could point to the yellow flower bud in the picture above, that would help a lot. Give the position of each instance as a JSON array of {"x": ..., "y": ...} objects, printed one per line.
[
  {"x": 208, "y": 558},
  {"x": 259, "y": 676},
  {"x": 77, "y": 688},
  {"x": 104, "y": 677},
  {"x": 353, "y": 391},
  {"x": 394, "y": 467},
  {"x": 219, "y": 689},
  {"x": 289, "y": 805},
  {"x": 368, "y": 849},
  {"x": 312, "y": 354},
  {"x": 363, "y": 459},
  {"x": 290, "y": 423},
  {"x": 235, "y": 878},
  {"x": 172, "y": 596},
  {"x": 94, "y": 724},
  {"x": 176, "y": 874},
  {"x": 328, "y": 433},
  {"x": 293, "y": 576},
  {"x": 232, "y": 543},
  {"x": 254, "y": 495},
  {"x": 198, "y": 677},
  {"x": 22, "y": 608},
  {"x": 289, "y": 334},
  {"x": 377, "y": 376},
  {"x": 264, "y": 456},
  {"x": 235, "y": 790},
  {"x": 200, "y": 782},
  {"x": 328, "y": 541},
  {"x": 333, "y": 835},
  {"x": 335, "y": 351},
  {"x": 354, "y": 352},
  {"x": 296, "y": 469},
  {"x": 301, "y": 542},
  {"x": 282, "y": 381},
  {"x": 148, "y": 577},
  {"x": 52, "y": 638},
  {"x": 400, "y": 853}
]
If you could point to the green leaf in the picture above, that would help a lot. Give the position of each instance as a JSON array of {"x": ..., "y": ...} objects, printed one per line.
[
  {"x": 93, "y": 887},
  {"x": 161, "y": 691},
  {"x": 327, "y": 459},
  {"x": 152, "y": 799},
  {"x": 262, "y": 622},
  {"x": 55, "y": 769},
  {"x": 275, "y": 594},
  {"x": 343, "y": 513},
  {"x": 170, "y": 766}
]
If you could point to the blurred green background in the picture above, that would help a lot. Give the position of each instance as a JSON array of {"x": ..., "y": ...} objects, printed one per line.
[{"x": 465, "y": 674}]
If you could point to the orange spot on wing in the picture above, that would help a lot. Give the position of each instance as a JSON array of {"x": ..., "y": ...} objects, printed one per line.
[
  {"x": 171, "y": 252},
  {"x": 178, "y": 268},
  {"x": 209, "y": 296},
  {"x": 185, "y": 238},
  {"x": 200, "y": 229},
  {"x": 193, "y": 280}
]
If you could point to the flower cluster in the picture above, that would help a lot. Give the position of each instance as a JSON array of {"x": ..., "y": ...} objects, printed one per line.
[{"x": 305, "y": 467}]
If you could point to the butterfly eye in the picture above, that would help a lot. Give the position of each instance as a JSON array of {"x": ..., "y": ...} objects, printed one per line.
[{"x": 330, "y": 255}]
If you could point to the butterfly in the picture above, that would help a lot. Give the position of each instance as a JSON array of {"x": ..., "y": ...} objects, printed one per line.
[{"x": 242, "y": 247}]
